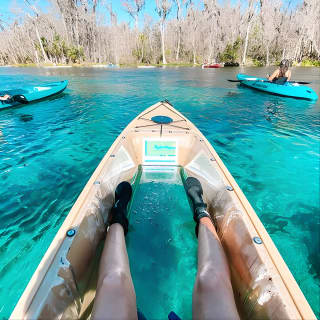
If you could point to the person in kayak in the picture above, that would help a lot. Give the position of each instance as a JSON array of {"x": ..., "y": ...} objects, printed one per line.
[
  {"x": 115, "y": 296},
  {"x": 5, "y": 97},
  {"x": 281, "y": 75}
]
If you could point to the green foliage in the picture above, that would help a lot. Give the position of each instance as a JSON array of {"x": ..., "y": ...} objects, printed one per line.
[
  {"x": 310, "y": 63},
  {"x": 258, "y": 62},
  {"x": 141, "y": 56},
  {"x": 231, "y": 52},
  {"x": 75, "y": 54},
  {"x": 142, "y": 38},
  {"x": 142, "y": 52},
  {"x": 58, "y": 51},
  {"x": 58, "y": 48},
  {"x": 46, "y": 46},
  {"x": 44, "y": 42},
  {"x": 136, "y": 53}
]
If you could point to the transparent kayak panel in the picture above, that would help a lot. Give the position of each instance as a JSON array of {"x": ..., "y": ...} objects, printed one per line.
[{"x": 161, "y": 244}]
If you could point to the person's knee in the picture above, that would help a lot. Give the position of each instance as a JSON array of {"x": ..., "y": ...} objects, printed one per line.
[
  {"x": 209, "y": 279},
  {"x": 116, "y": 277}
]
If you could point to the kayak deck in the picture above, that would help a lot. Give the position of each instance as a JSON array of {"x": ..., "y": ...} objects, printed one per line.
[{"x": 63, "y": 285}]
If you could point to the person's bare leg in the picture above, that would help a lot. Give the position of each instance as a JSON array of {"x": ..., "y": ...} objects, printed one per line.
[
  {"x": 115, "y": 295},
  {"x": 212, "y": 294}
]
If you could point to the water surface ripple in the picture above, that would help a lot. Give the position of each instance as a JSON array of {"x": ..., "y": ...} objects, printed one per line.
[{"x": 48, "y": 151}]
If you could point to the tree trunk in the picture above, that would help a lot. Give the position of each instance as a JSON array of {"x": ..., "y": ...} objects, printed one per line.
[
  {"x": 179, "y": 42},
  {"x": 37, "y": 57},
  {"x": 179, "y": 28},
  {"x": 296, "y": 50},
  {"x": 164, "y": 61},
  {"x": 136, "y": 22},
  {"x": 46, "y": 59},
  {"x": 65, "y": 26},
  {"x": 13, "y": 52},
  {"x": 315, "y": 48},
  {"x": 142, "y": 52},
  {"x": 267, "y": 47},
  {"x": 99, "y": 47},
  {"x": 211, "y": 49},
  {"x": 246, "y": 45},
  {"x": 194, "y": 50}
]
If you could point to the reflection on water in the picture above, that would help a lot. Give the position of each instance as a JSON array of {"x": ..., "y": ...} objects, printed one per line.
[{"x": 48, "y": 151}]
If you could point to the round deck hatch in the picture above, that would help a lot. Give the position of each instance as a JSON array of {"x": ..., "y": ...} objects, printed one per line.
[{"x": 161, "y": 119}]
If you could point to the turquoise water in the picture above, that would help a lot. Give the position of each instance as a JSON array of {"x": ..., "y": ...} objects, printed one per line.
[
  {"x": 161, "y": 246},
  {"x": 48, "y": 151}
]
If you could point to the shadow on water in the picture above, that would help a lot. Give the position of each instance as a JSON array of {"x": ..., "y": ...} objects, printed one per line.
[
  {"x": 306, "y": 220},
  {"x": 26, "y": 117},
  {"x": 232, "y": 94}
]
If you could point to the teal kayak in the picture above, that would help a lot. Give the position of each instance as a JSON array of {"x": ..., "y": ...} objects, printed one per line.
[
  {"x": 288, "y": 89},
  {"x": 32, "y": 93}
]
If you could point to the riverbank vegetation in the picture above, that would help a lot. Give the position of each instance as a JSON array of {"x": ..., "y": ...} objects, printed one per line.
[{"x": 256, "y": 32}]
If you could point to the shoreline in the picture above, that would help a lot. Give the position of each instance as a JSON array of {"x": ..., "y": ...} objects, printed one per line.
[
  {"x": 120, "y": 66},
  {"x": 101, "y": 65}
]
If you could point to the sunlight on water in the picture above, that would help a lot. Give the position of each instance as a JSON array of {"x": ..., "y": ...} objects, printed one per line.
[{"x": 48, "y": 151}]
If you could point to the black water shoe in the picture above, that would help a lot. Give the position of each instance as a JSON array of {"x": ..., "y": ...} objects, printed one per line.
[
  {"x": 119, "y": 211},
  {"x": 195, "y": 192}
]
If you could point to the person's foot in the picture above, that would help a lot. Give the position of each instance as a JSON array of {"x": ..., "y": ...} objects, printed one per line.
[
  {"x": 195, "y": 192},
  {"x": 119, "y": 210}
]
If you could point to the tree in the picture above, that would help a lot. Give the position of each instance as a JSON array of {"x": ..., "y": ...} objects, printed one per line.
[
  {"x": 163, "y": 8},
  {"x": 248, "y": 18},
  {"x": 133, "y": 7},
  {"x": 179, "y": 28},
  {"x": 35, "y": 10},
  {"x": 194, "y": 18},
  {"x": 212, "y": 16},
  {"x": 77, "y": 30},
  {"x": 269, "y": 13}
]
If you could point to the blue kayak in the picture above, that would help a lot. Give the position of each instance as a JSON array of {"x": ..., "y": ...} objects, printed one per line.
[
  {"x": 288, "y": 89},
  {"x": 32, "y": 93}
]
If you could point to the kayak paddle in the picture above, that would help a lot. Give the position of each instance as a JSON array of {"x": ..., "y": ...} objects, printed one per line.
[
  {"x": 255, "y": 79},
  {"x": 299, "y": 82}
]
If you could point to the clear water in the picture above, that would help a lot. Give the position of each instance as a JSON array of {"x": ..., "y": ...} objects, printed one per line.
[
  {"x": 161, "y": 246},
  {"x": 48, "y": 151}
]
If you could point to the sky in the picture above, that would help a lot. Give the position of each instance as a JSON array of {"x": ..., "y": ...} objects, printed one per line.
[{"x": 9, "y": 7}]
